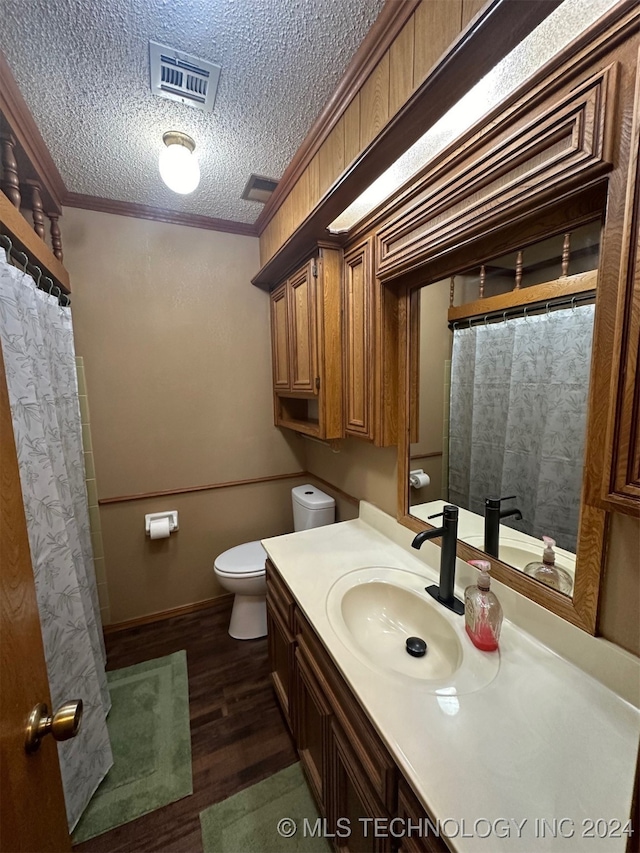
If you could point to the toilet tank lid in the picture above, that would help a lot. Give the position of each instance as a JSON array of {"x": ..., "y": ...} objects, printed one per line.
[
  {"x": 311, "y": 498},
  {"x": 243, "y": 559}
]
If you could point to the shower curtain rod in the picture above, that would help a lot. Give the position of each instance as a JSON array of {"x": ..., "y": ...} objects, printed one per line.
[
  {"x": 43, "y": 282},
  {"x": 523, "y": 310}
]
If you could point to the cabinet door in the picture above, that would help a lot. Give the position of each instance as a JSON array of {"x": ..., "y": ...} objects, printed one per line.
[
  {"x": 358, "y": 337},
  {"x": 281, "y": 660},
  {"x": 421, "y": 834},
  {"x": 354, "y": 805},
  {"x": 280, "y": 338},
  {"x": 302, "y": 330},
  {"x": 311, "y": 729}
]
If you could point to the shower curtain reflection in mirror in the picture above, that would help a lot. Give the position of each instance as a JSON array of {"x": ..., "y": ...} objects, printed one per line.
[{"x": 519, "y": 390}]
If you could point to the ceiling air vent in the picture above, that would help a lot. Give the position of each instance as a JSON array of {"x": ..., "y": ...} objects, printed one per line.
[
  {"x": 258, "y": 188},
  {"x": 183, "y": 78}
]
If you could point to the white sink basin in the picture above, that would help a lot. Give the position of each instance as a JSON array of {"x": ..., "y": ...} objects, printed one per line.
[
  {"x": 381, "y": 615},
  {"x": 374, "y": 611}
]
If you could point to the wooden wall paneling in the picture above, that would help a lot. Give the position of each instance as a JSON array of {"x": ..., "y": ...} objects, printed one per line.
[
  {"x": 470, "y": 9},
  {"x": 437, "y": 23},
  {"x": 331, "y": 160},
  {"x": 467, "y": 59},
  {"x": 401, "y": 67},
  {"x": 352, "y": 131},
  {"x": 314, "y": 182},
  {"x": 374, "y": 103}
]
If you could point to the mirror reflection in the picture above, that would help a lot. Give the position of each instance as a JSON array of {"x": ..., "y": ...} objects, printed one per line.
[{"x": 500, "y": 363}]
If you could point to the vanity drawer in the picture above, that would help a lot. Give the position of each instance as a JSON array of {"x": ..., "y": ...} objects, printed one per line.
[
  {"x": 365, "y": 742},
  {"x": 279, "y": 597}
]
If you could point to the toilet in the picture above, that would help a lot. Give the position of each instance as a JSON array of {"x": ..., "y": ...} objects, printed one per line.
[{"x": 241, "y": 569}]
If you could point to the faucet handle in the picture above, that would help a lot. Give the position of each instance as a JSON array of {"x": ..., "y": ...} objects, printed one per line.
[
  {"x": 495, "y": 502},
  {"x": 449, "y": 511}
]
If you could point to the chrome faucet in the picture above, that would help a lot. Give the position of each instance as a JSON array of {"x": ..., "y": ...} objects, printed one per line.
[
  {"x": 449, "y": 532},
  {"x": 493, "y": 512}
]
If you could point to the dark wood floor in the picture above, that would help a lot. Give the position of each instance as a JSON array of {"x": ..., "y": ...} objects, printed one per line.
[{"x": 238, "y": 736}]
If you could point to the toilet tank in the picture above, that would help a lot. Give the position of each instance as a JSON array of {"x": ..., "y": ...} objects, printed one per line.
[{"x": 311, "y": 508}]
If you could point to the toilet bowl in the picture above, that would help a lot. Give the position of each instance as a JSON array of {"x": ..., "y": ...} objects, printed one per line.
[{"x": 241, "y": 569}]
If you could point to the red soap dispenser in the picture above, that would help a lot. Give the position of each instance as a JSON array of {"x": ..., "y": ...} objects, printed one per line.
[{"x": 482, "y": 610}]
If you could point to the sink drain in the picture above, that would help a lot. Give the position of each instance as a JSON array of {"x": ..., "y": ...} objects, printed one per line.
[{"x": 416, "y": 647}]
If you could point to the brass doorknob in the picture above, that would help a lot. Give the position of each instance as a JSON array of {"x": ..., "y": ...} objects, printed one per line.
[{"x": 64, "y": 724}]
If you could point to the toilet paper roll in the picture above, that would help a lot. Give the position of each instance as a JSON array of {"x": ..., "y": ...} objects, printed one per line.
[
  {"x": 419, "y": 479},
  {"x": 159, "y": 528}
]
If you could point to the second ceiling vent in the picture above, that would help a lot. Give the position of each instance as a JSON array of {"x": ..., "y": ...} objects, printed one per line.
[{"x": 183, "y": 78}]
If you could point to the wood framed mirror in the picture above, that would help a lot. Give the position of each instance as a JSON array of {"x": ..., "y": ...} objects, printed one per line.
[{"x": 497, "y": 350}]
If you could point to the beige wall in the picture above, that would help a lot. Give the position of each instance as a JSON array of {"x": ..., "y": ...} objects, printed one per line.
[
  {"x": 177, "y": 359},
  {"x": 620, "y": 608}
]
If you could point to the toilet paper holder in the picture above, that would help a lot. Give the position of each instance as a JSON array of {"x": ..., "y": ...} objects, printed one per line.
[{"x": 171, "y": 514}]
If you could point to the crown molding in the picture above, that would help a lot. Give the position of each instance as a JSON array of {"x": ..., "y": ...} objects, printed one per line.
[
  {"x": 392, "y": 18},
  {"x": 158, "y": 214}
]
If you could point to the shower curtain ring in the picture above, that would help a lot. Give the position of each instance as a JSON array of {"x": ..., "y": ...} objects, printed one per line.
[
  {"x": 39, "y": 276},
  {"x": 469, "y": 321},
  {"x": 547, "y": 308},
  {"x": 504, "y": 316},
  {"x": 573, "y": 303},
  {"x": 50, "y": 286},
  {"x": 485, "y": 319},
  {"x": 455, "y": 325},
  {"x": 26, "y": 260},
  {"x": 59, "y": 294},
  {"x": 9, "y": 243}
]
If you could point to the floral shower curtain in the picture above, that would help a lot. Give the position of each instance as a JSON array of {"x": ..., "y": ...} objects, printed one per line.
[
  {"x": 37, "y": 342},
  {"x": 518, "y": 418}
]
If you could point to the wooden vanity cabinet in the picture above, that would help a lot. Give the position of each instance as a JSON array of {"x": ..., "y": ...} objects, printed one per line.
[
  {"x": 306, "y": 338},
  {"x": 370, "y": 349},
  {"x": 350, "y": 771}
]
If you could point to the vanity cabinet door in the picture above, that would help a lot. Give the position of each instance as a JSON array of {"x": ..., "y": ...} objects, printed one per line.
[
  {"x": 358, "y": 333},
  {"x": 281, "y": 661},
  {"x": 354, "y": 804},
  {"x": 280, "y": 338},
  {"x": 302, "y": 328},
  {"x": 414, "y": 820},
  {"x": 281, "y": 642},
  {"x": 311, "y": 727}
]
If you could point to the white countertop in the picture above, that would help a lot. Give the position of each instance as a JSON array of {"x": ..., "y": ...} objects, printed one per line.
[{"x": 543, "y": 741}]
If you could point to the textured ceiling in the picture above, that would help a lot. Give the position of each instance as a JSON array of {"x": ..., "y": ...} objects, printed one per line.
[{"x": 82, "y": 67}]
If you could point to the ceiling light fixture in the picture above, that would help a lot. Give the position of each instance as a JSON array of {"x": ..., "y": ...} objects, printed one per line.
[{"x": 178, "y": 164}]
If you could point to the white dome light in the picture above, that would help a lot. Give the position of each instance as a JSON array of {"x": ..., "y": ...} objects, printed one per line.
[{"x": 178, "y": 164}]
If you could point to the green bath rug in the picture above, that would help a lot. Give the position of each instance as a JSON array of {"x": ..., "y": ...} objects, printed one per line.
[
  {"x": 151, "y": 742},
  {"x": 248, "y": 822}
]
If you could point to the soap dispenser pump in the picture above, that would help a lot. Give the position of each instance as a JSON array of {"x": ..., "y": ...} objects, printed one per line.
[
  {"x": 547, "y": 571},
  {"x": 483, "y": 612}
]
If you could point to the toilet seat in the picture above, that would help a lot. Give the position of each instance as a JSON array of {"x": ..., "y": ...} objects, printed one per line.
[{"x": 243, "y": 561}]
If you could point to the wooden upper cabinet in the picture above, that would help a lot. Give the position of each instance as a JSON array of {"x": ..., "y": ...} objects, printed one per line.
[
  {"x": 280, "y": 337},
  {"x": 306, "y": 339},
  {"x": 302, "y": 328},
  {"x": 370, "y": 349},
  {"x": 358, "y": 335}
]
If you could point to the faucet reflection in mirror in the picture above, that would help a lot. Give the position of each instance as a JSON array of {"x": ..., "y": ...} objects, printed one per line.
[{"x": 513, "y": 362}]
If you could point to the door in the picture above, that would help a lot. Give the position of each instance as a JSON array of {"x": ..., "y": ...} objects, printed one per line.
[
  {"x": 280, "y": 338},
  {"x": 32, "y": 810},
  {"x": 302, "y": 325}
]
